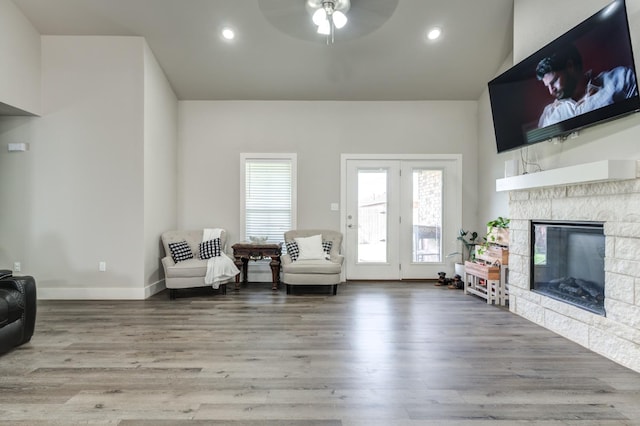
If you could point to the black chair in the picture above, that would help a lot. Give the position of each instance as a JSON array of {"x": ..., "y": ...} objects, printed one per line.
[{"x": 17, "y": 310}]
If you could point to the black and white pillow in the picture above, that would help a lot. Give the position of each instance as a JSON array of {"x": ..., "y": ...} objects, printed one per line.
[
  {"x": 326, "y": 246},
  {"x": 209, "y": 249},
  {"x": 292, "y": 250},
  {"x": 180, "y": 251}
]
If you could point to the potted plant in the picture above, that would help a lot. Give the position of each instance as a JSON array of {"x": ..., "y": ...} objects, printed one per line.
[
  {"x": 468, "y": 240},
  {"x": 497, "y": 233}
]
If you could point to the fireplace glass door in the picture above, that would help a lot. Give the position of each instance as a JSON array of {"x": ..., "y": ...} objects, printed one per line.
[{"x": 567, "y": 263}]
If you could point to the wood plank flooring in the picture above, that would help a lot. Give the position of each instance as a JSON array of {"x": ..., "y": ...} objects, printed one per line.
[{"x": 377, "y": 354}]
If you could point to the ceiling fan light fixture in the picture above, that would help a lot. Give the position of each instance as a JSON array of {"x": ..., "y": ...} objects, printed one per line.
[
  {"x": 319, "y": 17},
  {"x": 339, "y": 19},
  {"x": 328, "y": 15},
  {"x": 324, "y": 28}
]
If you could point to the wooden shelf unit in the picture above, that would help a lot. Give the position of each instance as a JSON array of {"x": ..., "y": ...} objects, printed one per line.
[{"x": 488, "y": 280}]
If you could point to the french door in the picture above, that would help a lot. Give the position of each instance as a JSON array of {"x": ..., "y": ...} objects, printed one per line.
[{"x": 401, "y": 216}]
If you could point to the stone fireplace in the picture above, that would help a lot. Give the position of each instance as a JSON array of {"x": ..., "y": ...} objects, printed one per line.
[{"x": 616, "y": 205}]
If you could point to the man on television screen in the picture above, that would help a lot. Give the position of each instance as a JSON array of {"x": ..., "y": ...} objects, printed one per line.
[{"x": 577, "y": 92}]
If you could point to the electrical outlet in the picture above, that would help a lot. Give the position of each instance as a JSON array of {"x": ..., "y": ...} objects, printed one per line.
[
  {"x": 102, "y": 266},
  {"x": 17, "y": 267}
]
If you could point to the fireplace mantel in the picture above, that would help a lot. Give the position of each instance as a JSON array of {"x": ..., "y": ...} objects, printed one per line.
[{"x": 599, "y": 171}]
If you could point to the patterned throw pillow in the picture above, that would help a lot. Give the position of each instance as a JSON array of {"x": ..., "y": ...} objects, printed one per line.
[
  {"x": 180, "y": 251},
  {"x": 209, "y": 249},
  {"x": 326, "y": 246},
  {"x": 292, "y": 250}
]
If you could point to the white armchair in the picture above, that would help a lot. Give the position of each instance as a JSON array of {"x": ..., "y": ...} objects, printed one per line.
[
  {"x": 190, "y": 272},
  {"x": 310, "y": 268}
]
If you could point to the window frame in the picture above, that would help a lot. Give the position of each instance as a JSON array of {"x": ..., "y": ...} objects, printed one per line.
[{"x": 248, "y": 157}]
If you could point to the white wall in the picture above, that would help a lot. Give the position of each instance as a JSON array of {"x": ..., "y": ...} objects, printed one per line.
[
  {"x": 160, "y": 167},
  {"x": 537, "y": 22},
  {"x": 212, "y": 135},
  {"x": 20, "y": 53},
  {"x": 79, "y": 193},
  {"x": 99, "y": 181},
  {"x": 88, "y": 174},
  {"x": 491, "y": 204}
]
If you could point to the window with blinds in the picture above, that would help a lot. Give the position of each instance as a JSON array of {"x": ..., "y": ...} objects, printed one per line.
[{"x": 268, "y": 195}]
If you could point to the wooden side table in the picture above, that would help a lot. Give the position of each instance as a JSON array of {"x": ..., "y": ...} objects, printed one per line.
[{"x": 243, "y": 252}]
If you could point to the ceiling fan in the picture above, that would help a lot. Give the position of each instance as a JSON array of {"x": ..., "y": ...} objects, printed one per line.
[
  {"x": 296, "y": 17},
  {"x": 329, "y": 16}
]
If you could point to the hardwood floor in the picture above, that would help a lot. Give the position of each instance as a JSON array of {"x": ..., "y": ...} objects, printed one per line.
[{"x": 377, "y": 354}]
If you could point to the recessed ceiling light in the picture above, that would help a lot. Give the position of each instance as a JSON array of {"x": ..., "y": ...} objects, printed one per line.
[
  {"x": 228, "y": 34},
  {"x": 434, "y": 33}
]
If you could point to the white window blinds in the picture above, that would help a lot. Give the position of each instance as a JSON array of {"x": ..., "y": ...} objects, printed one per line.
[{"x": 268, "y": 196}]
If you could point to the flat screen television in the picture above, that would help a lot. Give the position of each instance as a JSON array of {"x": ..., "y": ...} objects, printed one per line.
[{"x": 555, "y": 92}]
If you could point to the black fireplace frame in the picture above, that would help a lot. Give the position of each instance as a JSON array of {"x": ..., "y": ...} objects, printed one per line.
[{"x": 592, "y": 225}]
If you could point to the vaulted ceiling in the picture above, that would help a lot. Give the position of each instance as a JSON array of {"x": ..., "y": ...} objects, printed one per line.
[{"x": 382, "y": 54}]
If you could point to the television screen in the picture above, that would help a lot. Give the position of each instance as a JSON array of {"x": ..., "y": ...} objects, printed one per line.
[{"x": 584, "y": 77}]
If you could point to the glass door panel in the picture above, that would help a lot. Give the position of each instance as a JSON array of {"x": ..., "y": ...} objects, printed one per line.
[
  {"x": 429, "y": 189},
  {"x": 372, "y": 216},
  {"x": 427, "y": 216}
]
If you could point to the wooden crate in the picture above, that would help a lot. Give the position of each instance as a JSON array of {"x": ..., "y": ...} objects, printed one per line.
[
  {"x": 482, "y": 271},
  {"x": 498, "y": 236},
  {"x": 493, "y": 254}
]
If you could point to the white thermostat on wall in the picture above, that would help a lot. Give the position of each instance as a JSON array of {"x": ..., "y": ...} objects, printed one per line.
[{"x": 17, "y": 147}]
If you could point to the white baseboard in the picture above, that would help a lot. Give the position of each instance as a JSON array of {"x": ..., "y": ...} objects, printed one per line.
[{"x": 92, "y": 293}]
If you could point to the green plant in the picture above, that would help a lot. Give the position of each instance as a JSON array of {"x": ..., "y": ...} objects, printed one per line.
[
  {"x": 500, "y": 222},
  {"x": 482, "y": 248},
  {"x": 468, "y": 240}
]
